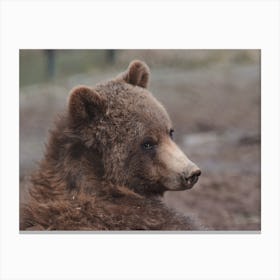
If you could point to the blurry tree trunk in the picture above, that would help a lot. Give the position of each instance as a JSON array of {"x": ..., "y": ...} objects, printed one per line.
[
  {"x": 50, "y": 63},
  {"x": 111, "y": 56}
]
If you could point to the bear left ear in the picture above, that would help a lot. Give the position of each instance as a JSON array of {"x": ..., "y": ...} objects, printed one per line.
[
  {"x": 137, "y": 74},
  {"x": 85, "y": 104}
]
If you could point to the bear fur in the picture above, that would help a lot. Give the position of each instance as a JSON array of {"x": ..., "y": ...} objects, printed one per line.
[{"x": 108, "y": 161}]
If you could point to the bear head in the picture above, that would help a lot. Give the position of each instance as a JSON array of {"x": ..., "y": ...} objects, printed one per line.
[{"x": 125, "y": 135}]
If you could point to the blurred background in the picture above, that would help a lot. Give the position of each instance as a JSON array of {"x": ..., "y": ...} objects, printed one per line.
[{"x": 213, "y": 98}]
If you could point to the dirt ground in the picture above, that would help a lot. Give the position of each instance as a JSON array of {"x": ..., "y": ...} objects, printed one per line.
[{"x": 215, "y": 107}]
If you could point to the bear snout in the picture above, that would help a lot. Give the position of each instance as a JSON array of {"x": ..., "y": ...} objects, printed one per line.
[
  {"x": 182, "y": 172},
  {"x": 189, "y": 179}
]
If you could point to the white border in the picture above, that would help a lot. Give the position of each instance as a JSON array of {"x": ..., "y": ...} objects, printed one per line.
[{"x": 158, "y": 24}]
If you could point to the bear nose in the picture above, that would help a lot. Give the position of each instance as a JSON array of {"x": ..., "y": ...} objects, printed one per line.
[{"x": 193, "y": 177}]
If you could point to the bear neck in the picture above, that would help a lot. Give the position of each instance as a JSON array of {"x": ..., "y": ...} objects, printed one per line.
[{"x": 67, "y": 167}]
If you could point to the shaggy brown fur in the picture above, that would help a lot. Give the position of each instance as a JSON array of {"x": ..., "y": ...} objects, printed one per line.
[{"x": 104, "y": 166}]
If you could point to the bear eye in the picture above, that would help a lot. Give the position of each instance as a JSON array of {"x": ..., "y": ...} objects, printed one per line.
[
  {"x": 171, "y": 133},
  {"x": 148, "y": 144}
]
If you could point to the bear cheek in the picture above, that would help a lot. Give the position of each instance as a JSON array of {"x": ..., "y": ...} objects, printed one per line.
[
  {"x": 179, "y": 173},
  {"x": 141, "y": 168}
]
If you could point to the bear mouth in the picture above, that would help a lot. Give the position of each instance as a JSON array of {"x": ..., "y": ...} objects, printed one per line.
[
  {"x": 188, "y": 183},
  {"x": 183, "y": 185},
  {"x": 192, "y": 180}
]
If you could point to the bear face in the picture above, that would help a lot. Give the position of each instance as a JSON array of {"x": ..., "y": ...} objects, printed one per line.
[{"x": 120, "y": 134}]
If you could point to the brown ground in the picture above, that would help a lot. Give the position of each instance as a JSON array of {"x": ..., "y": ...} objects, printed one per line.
[{"x": 215, "y": 108}]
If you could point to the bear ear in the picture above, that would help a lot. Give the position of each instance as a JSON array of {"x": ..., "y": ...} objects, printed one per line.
[
  {"x": 85, "y": 104},
  {"x": 137, "y": 74}
]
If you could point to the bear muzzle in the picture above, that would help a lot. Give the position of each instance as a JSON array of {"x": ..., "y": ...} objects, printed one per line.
[
  {"x": 188, "y": 181},
  {"x": 181, "y": 172}
]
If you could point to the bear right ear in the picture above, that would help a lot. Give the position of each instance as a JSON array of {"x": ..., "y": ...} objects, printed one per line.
[
  {"x": 137, "y": 74},
  {"x": 85, "y": 104}
]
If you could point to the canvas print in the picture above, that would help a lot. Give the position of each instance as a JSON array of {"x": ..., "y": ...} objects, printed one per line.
[{"x": 140, "y": 140}]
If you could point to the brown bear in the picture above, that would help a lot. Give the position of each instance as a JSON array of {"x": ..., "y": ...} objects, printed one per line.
[{"x": 108, "y": 161}]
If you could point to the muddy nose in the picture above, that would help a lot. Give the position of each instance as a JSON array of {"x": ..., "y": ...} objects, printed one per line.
[{"x": 193, "y": 178}]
